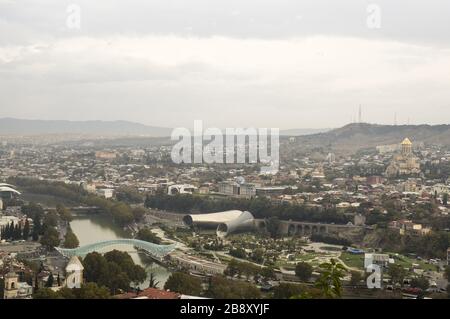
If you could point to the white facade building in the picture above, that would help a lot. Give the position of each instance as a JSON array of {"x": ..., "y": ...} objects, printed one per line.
[
  {"x": 106, "y": 192},
  {"x": 74, "y": 273},
  {"x": 181, "y": 189}
]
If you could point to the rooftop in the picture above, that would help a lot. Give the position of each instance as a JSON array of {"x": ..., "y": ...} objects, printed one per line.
[
  {"x": 74, "y": 264},
  {"x": 149, "y": 293},
  {"x": 406, "y": 141}
]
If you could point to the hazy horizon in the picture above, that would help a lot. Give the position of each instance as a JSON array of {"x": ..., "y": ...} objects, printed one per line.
[
  {"x": 190, "y": 126},
  {"x": 285, "y": 64}
]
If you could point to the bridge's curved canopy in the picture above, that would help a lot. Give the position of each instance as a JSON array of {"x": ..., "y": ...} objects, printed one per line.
[
  {"x": 7, "y": 185},
  {"x": 8, "y": 189},
  {"x": 154, "y": 250}
]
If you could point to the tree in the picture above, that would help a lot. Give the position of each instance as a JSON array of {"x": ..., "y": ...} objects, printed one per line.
[
  {"x": 134, "y": 272},
  {"x": 17, "y": 232},
  {"x": 138, "y": 213},
  {"x": 286, "y": 291},
  {"x": 183, "y": 283},
  {"x": 33, "y": 210},
  {"x": 64, "y": 213},
  {"x": 45, "y": 293},
  {"x": 70, "y": 240},
  {"x": 147, "y": 235},
  {"x": 238, "y": 253},
  {"x": 26, "y": 230},
  {"x": 10, "y": 231},
  {"x": 2, "y": 287},
  {"x": 233, "y": 268},
  {"x": 222, "y": 288},
  {"x": 115, "y": 270},
  {"x": 96, "y": 268},
  {"x": 137, "y": 274},
  {"x": 249, "y": 270},
  {"x": 129, "y": 195},
  {"x": 333, "y": 240},
  {"x": 117, "y": 279},
  {"x": 242, "y": 268},
  {"x": 50, "y": 238},
  {"x": 258, "y": 256},
  {"x": 330, "y": 280},
  {"x": 122, "y": 214},
  {"x": 50, "y": 281},
  {"x": 268, "y": 273},
  {"x": 355, "y": 278},
  {"x": 50, "y": 219},
  {"x": 420, "y": 282},
  {"x": 303, "y": 271},
  {"x": 260, "y": 208},
  {"x": 91, "y": 290},
  {"x": 37, "y": 227},
  {"x": 397, "y": 274},
  {"x": 6, "y": 232},
  {"x": 66, "y": 293},
  {"x": 86, "y": 291},
  {"x": 273, "y": 226},
  {"x": 447, "y": 272}
]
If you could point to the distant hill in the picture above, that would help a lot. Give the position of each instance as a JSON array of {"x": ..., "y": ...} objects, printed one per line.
[
  {"x": 303, "y": 131},
  {"x": 350, "y": 137},
  {"x": 362, "y": 135},
  {"x": 12, "y": 126}
]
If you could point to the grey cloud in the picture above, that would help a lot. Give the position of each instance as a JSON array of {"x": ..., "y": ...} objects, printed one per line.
[
  {"x": 282, "y": 63},
  {"x": 412, "y": 20}
]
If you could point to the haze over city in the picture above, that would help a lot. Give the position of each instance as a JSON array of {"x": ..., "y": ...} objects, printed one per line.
[{"x": 303, "y": 65}]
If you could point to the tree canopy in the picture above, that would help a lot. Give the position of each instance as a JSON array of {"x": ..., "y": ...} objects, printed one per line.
[
  {"x": 260, "y": 207},
  {"x": 303, "y": 271},
  {"x": 50, "y": 238},
  {"x": 184, "y": 284},
  {"x": 147, "y": 235},
  {"x": 115, "y": 270},
  {"x": 86, "y": 291},
  {"x": 330, "y": 280},
  {"x": 70, "y": 240},
  {"x": 223, "y": 288}
]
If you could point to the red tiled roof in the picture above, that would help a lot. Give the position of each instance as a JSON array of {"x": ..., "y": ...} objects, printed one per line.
[
  {"x": 150, "y": 293},
  {"x": 153, "y": 293},
  {"x": 127, "y": 295}
]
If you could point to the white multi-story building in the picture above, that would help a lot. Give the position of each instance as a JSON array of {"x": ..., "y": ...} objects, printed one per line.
[{"x": 106, "y": 192}]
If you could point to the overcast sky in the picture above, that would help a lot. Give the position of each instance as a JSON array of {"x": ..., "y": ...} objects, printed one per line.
[{"x": 230, "y": 63}]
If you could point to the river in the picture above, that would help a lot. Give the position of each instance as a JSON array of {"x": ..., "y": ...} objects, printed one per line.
[{"x": 95, "y": 228}]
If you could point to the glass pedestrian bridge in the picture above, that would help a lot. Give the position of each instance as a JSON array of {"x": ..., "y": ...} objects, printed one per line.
[{"x": 154, "y": 250}]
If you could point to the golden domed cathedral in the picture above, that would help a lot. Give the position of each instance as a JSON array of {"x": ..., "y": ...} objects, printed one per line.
[
  {"x": 404, "y": 163},
  {"x": 406, "y": 147}
]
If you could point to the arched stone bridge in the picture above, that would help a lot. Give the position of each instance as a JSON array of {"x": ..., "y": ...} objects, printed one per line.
[
  {"x": 154, "y": 250},
  {"x": 292, "y": 228}
]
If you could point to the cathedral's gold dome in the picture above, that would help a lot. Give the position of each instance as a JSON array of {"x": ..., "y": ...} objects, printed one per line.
[{"x": 406, "y": 141}]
